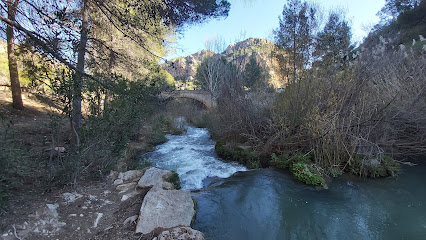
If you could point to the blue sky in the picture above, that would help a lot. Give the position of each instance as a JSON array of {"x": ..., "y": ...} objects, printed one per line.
[{"x": 258, "y": 18}]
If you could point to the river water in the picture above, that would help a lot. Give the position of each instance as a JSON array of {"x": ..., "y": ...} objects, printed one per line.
[{"x": 234, "y": 203}]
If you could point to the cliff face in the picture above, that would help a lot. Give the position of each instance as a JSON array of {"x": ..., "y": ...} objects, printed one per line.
[
  {"x": 239, "y": 53},
  {"x": 263, "y": 51},
  {"x": 185, "y": 68}
]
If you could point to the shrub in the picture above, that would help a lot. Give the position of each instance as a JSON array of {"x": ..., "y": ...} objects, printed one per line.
[
  {"x": 280, "y": 161},
  {"x": 302, "y": 172},
  {"x": 242, "y": 156},
  {"x": 175, "y": 180},
  {"x": 385, "y": 167},
  {"x": 284, "y": 161}
]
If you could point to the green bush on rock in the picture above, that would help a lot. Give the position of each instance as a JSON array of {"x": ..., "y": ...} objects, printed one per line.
[
  {"x": 306, "y": 173},
  {"x": 175, "y": 180}
]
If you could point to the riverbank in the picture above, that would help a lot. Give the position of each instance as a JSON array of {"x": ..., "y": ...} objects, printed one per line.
[
  {"x": 28, "y": 195},
  {"x": 111, "y": 209}
]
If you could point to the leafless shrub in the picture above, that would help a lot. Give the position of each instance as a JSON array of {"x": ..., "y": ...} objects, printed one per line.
[{"x": 372, "y": 108}]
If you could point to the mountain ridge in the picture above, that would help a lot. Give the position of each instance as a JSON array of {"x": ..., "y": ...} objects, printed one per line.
[{"x": 184, "y": 69}]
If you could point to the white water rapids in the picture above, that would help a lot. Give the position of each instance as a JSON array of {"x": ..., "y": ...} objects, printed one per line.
[{"x": 193, "y": 157}]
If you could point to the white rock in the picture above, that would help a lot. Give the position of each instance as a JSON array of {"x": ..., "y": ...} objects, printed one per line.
[
  {"x": 154, "y": 177},
  {"x": 52, "y": 208},
  {"x": 165, "y": 209},
  {"x": 118, "y": 181},
  {"x": 131, "y": 194},
  {"x": 131, "y": 175},
  {"x": 98, "y": 218}
]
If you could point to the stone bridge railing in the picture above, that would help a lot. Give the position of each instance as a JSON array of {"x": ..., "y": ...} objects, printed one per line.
[{"x": 201, "y": 96}]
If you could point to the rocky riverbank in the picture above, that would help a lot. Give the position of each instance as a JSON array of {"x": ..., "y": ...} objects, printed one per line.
[{"x": 137, "y": 204}]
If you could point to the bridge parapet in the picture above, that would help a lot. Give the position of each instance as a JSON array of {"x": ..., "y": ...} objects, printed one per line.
[{"x": 201, "y": 96}]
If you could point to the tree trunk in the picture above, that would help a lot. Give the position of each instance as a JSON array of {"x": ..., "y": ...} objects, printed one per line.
[
  {"x": 78, "y": 77},
  {"x": 13, "y": 64}
]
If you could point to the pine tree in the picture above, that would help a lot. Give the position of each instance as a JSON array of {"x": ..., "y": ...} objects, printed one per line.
[
  {"x": 333, "y": 41},
  {"x": 295, "y": 34},
  {"x": 12, "y": 7},
  {"x": 254, "y": 74}
]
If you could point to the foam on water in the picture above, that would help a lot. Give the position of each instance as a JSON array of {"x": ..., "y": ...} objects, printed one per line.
[{"x": 193, "y": 157}]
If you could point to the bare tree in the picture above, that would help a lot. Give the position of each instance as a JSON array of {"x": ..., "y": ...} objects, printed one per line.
[{"x": 210, "y": 74}]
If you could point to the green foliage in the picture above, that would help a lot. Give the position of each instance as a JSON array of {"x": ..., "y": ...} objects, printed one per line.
[
  {"x": 34, "y": 71},
  {"x": 301, "y": 166},
  {"x": 242, "y": 156},
  {"x": 107, "y": 128},
  {"x": 137, "y": 162},
  {"x": 284, "y": 161},
  {"x": 303, "y": 173},
  {"x": 193, "y": 11},
  {"x": 157, "y": 137},
  {"x": 254, "y": 75},
  {"x": 163, "y": 81},
  {"x": 175, "y": 180},
  {"x": 333, "y": 41},
  {"x": 335, "y": 172},
  {"x": 296, "y": 33},
  {"x": 402, "y": 27},
  {"x": 13, "y": 160},
  {"x": 281, "y": 161},
  {"x": 394, "y": 8},
  {"x": 384, "y": 168}
]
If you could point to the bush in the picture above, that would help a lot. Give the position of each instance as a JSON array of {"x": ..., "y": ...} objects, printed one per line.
[
  {"x": 14, "y": 160},
  {"x": 283, "y": 161},
  {"x": 175, "y": 180},
  {"x": 302, "y": 172},
  {"x": 280, "y": 161},
  {"x": 242, "y": 156},
  {"x": 385, "y": 167},
  {"x": 157, "y": 137}
]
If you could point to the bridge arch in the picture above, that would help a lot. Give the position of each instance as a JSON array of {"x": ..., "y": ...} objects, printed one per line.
[{"x": 203, "y": 97}]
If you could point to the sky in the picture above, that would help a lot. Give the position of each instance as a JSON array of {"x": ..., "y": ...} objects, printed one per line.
[{"x": 258, "y": 18}]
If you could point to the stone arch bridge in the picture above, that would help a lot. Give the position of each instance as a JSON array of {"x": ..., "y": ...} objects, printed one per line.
[{"x": 203, "y": 97}]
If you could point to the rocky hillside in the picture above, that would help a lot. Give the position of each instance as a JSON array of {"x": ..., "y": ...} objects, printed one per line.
[
  {"x": 239, "y": 53},
  {"x": 184, "y": 68}
]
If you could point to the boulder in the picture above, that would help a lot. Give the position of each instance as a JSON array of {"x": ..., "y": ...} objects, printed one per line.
[
  {"x": 165, "y": 209},
  {"x": 155, "y": 177},
  {"x": 180, "y": 233},
  {"x": 131, "y": 175}
]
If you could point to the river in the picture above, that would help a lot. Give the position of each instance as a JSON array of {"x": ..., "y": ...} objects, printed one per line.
[{"x": 234, "y": 203}]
